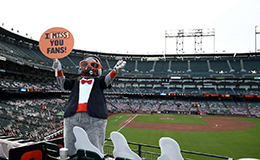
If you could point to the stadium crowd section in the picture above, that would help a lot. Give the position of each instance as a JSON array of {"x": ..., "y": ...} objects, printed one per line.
[
  {"x": 180, "y": 84},
  {"x": 31, "y": 118},
  {"x": 188, "y": 106},
  {"x": 38, "y": 118}
]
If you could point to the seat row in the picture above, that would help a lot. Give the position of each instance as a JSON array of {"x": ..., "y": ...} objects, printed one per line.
[{"x": 170, "y": 149}]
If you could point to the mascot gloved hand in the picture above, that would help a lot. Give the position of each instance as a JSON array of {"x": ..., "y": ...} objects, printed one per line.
[
  {"x": 56, "y": 65},
  {"x": 60, "y": 77},
  {"x": 86, "y": 107},
  {"x": 119, "y": 66}
]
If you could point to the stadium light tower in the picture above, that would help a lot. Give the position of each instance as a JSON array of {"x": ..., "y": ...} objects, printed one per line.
[
  {"x": 257, "y": 31},
  {"x": 179, "y": 34}
]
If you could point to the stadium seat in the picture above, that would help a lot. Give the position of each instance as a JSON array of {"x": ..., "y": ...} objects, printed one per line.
[
  {"x": 83, "y": 142},
  {"x": 52, "y": 151},
  {"x": 2, "y": 154},
  {"x": 121, "y": 148},
  {"x": 170, "y": 149},
  {"x": 3, "y": 158},
  {"x": 81, "y": 154}
]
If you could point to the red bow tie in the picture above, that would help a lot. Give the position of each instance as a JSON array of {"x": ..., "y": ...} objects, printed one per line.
[{"x": 84, "y": 81}]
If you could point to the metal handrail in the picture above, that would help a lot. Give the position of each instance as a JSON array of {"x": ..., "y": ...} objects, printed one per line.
[{"x": 183, "y": 151}]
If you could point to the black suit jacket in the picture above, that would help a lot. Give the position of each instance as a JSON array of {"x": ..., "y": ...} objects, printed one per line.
[{"x": 96, "y": 106}]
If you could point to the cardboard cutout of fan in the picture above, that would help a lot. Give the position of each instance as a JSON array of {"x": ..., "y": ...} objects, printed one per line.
[{"x": 56, "y": 43}]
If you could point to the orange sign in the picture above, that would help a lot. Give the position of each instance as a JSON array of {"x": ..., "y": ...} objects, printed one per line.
[
  {"x": 35, "y": 154},
  {"x": 56, "y": 43}
]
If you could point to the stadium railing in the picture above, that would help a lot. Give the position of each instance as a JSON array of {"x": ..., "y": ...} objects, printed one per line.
[{"x": 108, "y": 149}]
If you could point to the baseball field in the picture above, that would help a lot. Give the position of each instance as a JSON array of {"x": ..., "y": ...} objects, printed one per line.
[{"x": 218, "y": 135}]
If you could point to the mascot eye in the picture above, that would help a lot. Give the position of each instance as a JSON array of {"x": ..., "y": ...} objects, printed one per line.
[
  {"x": 95, "y": 65},
  {"x": 83, "y": 64}
]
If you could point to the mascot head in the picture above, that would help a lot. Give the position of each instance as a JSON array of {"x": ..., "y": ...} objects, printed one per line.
[{"x": 91, "y": 67}]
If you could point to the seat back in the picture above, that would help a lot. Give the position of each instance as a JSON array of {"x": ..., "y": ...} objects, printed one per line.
[
  {"x": 83, "y": 142},
  {"x": 170, "y": 149},
  {"x": 81, "y": 155},
  {"x": 52, "y": 151},
  {"x": 121, "y": 147}
]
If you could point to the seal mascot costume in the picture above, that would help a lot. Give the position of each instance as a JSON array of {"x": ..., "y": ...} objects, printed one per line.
[{"x": 86, "y": 107}]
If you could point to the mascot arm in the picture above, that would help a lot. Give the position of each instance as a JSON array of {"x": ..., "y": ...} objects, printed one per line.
[
  {"x": 117, "y": 68},
  {"x": 60, "y": 77}
]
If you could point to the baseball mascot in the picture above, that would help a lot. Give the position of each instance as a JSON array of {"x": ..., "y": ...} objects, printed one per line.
[{"x": 87, "y": 106}]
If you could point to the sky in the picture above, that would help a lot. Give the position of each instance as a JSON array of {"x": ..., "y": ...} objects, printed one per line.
[{"x": 138, "y": 26}]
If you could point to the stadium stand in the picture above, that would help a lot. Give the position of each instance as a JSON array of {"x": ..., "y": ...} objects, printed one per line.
[{"x": 31, "y": 102}]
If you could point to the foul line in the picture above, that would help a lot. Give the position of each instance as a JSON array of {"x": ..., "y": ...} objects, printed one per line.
[{"x": 127, "y": 122}]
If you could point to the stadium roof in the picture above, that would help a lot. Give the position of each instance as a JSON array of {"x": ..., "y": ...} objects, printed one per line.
[
  {"x": 17, "y": 37},
  {"x": 80, "y": 52}
]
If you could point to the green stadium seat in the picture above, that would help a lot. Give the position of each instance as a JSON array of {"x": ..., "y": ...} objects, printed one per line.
[{"x": 51, "y": 151}]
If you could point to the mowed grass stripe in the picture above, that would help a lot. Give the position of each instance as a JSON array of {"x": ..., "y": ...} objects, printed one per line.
[
  {"x": 166, "y": 118},
  {"x": 236, "y": 144}
]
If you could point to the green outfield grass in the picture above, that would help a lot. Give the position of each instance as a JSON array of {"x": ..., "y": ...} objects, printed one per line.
[
  {"x": 235, "y": 144},
  {"x": 160, "y": 118}
]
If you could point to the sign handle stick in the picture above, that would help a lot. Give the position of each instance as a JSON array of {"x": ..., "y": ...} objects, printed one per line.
[{"x": 56, "y": 69}]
